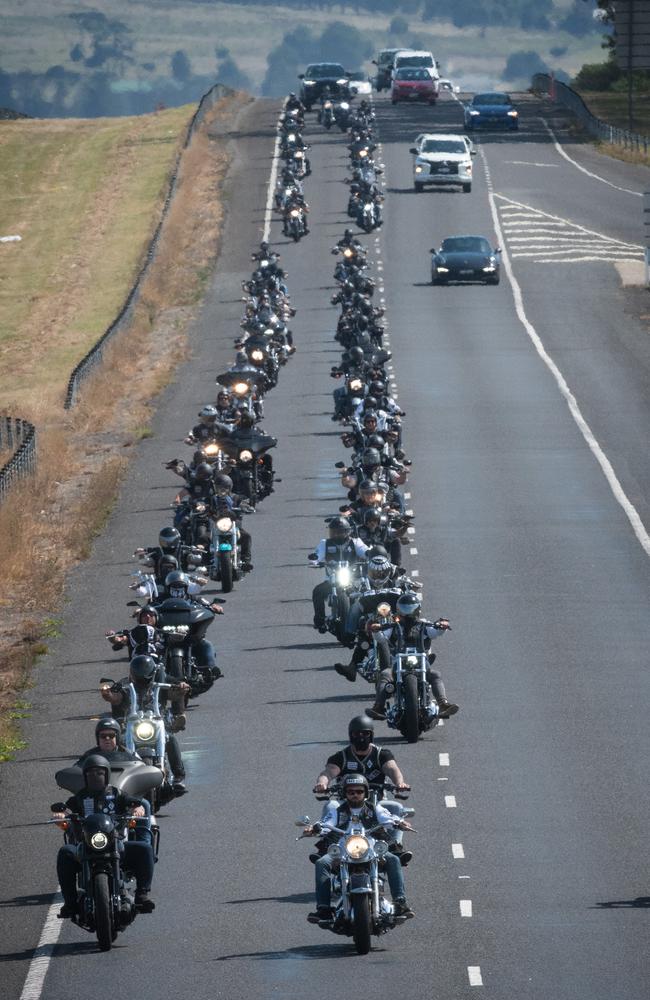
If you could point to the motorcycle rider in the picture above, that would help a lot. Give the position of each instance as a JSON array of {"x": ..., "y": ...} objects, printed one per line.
[
  {"x": 144, "y": 672},
  {"x": 225, "y": 501},
  {"x": 98, "y": 796},
  {"x": 169, "y": 544},
  {"x": 338, "y": 547},
  {"x": 144, "y": 638},
  {"x": 108, "y": 743},
  {"x": 363, "y": 756},
  {"x": 294, "y": 103},
  {"x": 355, "y": 807},
  {"x": 375, "y": 529},
  {"x": 411, "y": 630},
  {"x": 295, "y": 200}
]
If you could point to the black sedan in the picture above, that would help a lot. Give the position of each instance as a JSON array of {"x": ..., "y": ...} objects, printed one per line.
[
  {"x": 465, "y": 258},
  {"x": 317, "y": 77}
]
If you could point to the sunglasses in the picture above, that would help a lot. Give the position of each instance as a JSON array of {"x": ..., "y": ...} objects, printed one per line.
[{"x": 108, "y": 736}]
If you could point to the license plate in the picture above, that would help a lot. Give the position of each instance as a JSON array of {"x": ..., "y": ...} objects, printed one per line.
[
  {"x": 470, "y": 271},
  {"x": 443, "y": 170}
]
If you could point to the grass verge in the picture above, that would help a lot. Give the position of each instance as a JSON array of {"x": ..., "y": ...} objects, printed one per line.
[{"x": 49, "y": 521}]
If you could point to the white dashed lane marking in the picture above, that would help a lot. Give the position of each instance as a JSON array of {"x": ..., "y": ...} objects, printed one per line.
[
  {"x": 443, "y": 759},
  {"x": 458, "y": 851},
  {"x": 474, "y": 974},
  {"x": 465, "y": 907},
  {"x": 450, "y": 801}
]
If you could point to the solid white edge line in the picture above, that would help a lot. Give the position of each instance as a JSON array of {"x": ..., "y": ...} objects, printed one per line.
[
  {"x": 272, "y": 178},
  {"x": 584, "y": 428},
  {"x": 474, "y": 974},
  {"x": 597, "y": 177},
  {"x": 43, "y": 952}
]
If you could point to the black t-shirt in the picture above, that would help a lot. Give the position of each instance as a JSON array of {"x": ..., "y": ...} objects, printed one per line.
[{"x": 370, "y": 766}]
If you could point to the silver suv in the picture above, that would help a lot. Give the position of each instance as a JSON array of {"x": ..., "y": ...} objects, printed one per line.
[{"x": 442, "y": 160}]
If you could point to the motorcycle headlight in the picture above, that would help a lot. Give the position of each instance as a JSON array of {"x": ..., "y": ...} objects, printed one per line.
[
  {"x": 291, "y": 138},
  {"x": 343, "y": 576},
  {"x": 211, "y": 449},
  {"x": 224, "y": 524},
  {"x": 381, "y": 848},
  {"x": 347, "y": 252},
  {"x": 294, "y": 213},
  {"x": 200, "y": 508},
  {"x": 363, "y": 152},
  {"x": 383, "y": 610},
  {"x": 241, "y": 388},
  {"x": 264, "y": 263},
  {"x": 299, "y": 154},
  {"x": 345, "y": 105},
  {"x": 334, "y": 851},
  {"x": 245, "y": 455},
  {"x": 356, "y": 847},
  {"x": 257, "y": 355},
  {"x": 99, "y": 841},
  {"x": 411, "y": 661},
  {"x": 328, "y": 104},
  {"x": 144, "y": 731},
  {"x": 356, "y": 385},
  {"x": 269, "y": 332}
]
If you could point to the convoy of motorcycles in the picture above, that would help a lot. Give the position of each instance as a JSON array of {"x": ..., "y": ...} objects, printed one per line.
[{"x": 366, "y": 600}]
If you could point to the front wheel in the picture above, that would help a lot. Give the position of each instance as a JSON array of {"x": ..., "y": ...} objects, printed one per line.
[
  {"x": 361, "y": 929},
  {"x": 467, "y": 188},
  {"x": 225, "y": 572},
  {"x": 410, "y": 725},
  {"x": 418, "y": 185},
  {"x": 103, "y": 921}
]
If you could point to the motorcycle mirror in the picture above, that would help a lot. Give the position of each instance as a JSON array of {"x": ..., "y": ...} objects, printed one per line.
[
  {"x": 303, "y": 821},
  {"x": 339, "y": 465},
  {"x": 311, "y": 555},
  {"x": 58, "y": 807},
  {"x": 133, "y": 604},
  {"x": 413, "y": 150},
  {"x": 106, "y": 680},
  {"x": 301, "y": 76}
]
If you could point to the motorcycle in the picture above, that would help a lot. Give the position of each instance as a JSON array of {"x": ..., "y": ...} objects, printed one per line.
[
  {"x": 340, "y": 575},
  {"x": 413, "y": 709},
  {"x": 105, "y": 900},
  {"x": 361, "y": 908},
  {"x": 182, "y": 623}
]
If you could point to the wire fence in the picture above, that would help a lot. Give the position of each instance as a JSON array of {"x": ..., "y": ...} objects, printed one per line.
[
  {"x": 19, "y": 435},
  {"x": 94, "y": 356},
  {"x": 559, "y": 92}
]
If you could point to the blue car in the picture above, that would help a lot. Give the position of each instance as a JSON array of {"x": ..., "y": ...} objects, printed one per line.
[{"x": 492, "y": 110}]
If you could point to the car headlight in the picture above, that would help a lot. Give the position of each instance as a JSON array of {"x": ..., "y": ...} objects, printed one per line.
[
  {"x": 356, "y": 846},
  {"x": 513, "y": 114},
  {"x": 439, "y": 267},
  {"x": 467, "y": 167},
  {"x": 343, "y": 576},
  {"x": 145, "y": 731},
  {"x": 99, "y": 841},
  {"x": 419, "y": 169},
  {"x": 211, "y": 449},
  {"x": 245, "y": 455},
  {"x": 383, "y": 610},
  {"x": 257, "y": 355},
  {"x": 309, "y": 83},
  {"x": 342, "y": 81},
  {"x": 475, "y": 112},
  {"x": 241, "y": 388},
  {"x": 224, "y": 524},
  {"x": 490, "y": 267}
]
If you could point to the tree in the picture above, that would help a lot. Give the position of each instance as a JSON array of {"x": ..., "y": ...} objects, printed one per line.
[
  {"x": 181, "y": 66},
  {"x": 523, "y": 65}
]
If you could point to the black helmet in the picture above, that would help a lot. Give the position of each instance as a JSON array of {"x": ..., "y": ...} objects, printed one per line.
[
  {"x": 292, "y": 96},
  {"x": 355, "y": 354},
  {"x": 368, "y": 486},
  {"x": 223, "y": 394},
  {"x": 167, "y": 565},
  {"x": 361, "y": 724},
  {"x": 339, "y": 529},
  {"x": 409, "y": 605},
  {"x": 223, "y": 484},
  {"x": 106, "y": 723},
  {"x": 378, "y": 570},
  {"x": 362, "y": 323},
  {"x": 348, "y": 234},
  {"x": 370, "y": 457},
  {"x": 203, "y": 471},
  {"x": 377, "y": 388},
  {"x": 372, "y": 514},
  {"x": 169, "y": 538},
  {"x": 355, "y": 781},
  {"x": 96, "y": 760},
  {"x": 142, "y": 670},
  {"x": 376, "y": 441},
  {"x": 177, "y": 583},
  {"x": 149, "y": 612},
  {"x": 377, "y": 550},
  {"x": 370, "y": 403},
  {"x": 208, "y": 415},
  {"x": 369, "y": 415}
]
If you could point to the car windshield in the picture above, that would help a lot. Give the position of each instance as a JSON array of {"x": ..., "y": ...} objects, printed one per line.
[
  {"x": 492, "y": 99},
  {"x": 414, "y": 61},
  {"x": 356, "y": 76},
  {"x": 443, "y": 146},
  {"x": 466, "y": 244},
  {"x": 412, "y": 74},
  {"x": 323, "y": 70}
]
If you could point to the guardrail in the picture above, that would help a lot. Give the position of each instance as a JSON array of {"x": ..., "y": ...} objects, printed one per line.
[
  {"x": 21, "y": 436},
  {"x": 542, "y": 83},
  {"x": 94, "y": 356}
]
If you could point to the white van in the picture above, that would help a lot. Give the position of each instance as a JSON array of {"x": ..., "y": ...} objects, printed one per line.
[{"x": 416, "y": 58}]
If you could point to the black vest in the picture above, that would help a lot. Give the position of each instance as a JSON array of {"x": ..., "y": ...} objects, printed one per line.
[
  {"x": 367, "y": 766},
  {"x": 367, "y": 816}
]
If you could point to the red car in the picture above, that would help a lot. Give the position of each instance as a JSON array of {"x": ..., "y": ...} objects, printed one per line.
[{"x": 412, "y": 83}]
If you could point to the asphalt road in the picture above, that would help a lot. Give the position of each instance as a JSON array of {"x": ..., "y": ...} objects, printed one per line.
[{"x": 538, "y": 816}]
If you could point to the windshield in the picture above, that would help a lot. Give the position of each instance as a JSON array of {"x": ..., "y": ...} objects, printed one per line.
[
  {"x": 443, "y": 146},
  {"x": 323, "y": 70},
  {"x": 412, "y": 74},
  {"x": 491, "y": 99},
  {"x": 414, "y": 61},
  {"x": 356, "y": 76},
  {"x": 466, "y": 244}
]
